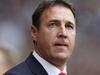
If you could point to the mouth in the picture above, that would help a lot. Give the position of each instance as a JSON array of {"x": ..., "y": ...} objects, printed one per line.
[
  {"x": 61, "y": 44},
  {"x": 61, "y": 47}
]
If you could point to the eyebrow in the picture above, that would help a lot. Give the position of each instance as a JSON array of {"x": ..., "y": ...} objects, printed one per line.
[
  {"x": 68, "y": 22},
  {"x": 54, "y": 20}
]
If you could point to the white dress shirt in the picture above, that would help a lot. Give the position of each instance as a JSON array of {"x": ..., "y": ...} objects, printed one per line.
[{"x": 50, "y": 69}]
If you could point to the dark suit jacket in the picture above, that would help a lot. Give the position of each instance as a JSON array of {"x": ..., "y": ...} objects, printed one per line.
[{"x": 29, "y": 67}]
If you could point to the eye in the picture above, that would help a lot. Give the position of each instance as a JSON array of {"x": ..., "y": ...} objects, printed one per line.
[
  {"x": 70, "y": 26},
  {"x": 52, "y": 24}
]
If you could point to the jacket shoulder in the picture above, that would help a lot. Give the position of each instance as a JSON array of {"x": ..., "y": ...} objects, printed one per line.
[{"x": 20, "y": 69}]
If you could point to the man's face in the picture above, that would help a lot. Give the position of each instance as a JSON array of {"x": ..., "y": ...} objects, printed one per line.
[{"x": 56, "y": 35}]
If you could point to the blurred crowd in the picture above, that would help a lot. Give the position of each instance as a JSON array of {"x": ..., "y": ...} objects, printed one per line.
[{"x": 16, "y": 42}]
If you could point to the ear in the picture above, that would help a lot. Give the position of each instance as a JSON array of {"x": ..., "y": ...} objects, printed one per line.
[{"x": 34, "y": 33}]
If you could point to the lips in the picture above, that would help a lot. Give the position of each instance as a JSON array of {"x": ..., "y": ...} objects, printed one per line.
[{"x": 61, "y": 43}]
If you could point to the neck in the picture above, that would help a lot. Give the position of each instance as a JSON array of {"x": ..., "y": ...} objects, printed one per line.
[{"x": 60, "y": 64}]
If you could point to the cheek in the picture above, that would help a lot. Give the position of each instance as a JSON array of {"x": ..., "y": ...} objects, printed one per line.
[
  {"x": 47, "y": 36},
  {"x": 72, "y": 38},
  {"x": 44, "y": 39}
]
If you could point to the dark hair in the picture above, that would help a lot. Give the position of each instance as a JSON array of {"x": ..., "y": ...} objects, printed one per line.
[{"x": 45, "y": 5}]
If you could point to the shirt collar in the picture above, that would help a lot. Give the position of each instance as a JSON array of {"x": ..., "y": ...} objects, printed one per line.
[{"x": 51, "y": 69}]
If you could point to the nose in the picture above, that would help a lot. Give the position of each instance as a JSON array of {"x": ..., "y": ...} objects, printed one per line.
[{"x": 62, "y": 33}]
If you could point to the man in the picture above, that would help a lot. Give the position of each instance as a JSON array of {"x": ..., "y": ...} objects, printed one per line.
[{"x": 53, "y": 34}]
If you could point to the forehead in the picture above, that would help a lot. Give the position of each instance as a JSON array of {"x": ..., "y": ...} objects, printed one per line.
[{"x": 58, "y": 12}]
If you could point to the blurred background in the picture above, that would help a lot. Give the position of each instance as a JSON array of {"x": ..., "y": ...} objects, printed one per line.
[{"x": 16, "y": 42}]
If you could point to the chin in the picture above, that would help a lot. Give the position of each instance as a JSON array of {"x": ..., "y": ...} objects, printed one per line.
[{"x": 61, "y": 56}]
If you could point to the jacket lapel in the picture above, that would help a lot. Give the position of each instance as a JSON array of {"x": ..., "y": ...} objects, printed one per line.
[{"x": 35, "y": 66}]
